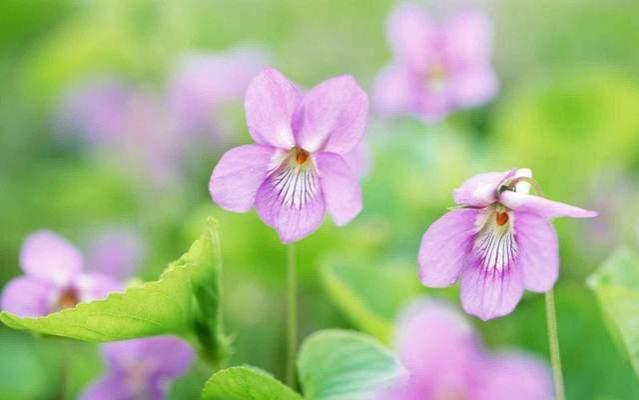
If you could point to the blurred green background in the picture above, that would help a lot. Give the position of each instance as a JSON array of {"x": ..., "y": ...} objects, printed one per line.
[{"x": 568, "y": 109}]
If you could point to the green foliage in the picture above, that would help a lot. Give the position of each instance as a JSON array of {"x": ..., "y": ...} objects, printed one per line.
[
  {"x": 370, "y": 295},
  {"x": 246, "y": 383},
  {"x": 344, "y": 365},
  {"x": 332, "y": 365},
  {"x": 616, "y": 284},
  {"x": 185, "y": 301}
]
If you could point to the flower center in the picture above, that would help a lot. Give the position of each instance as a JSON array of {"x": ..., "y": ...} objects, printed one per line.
[
  {"x": 501, "y": 218},
  {"x": 300, "y": 155},
  {"x": 436, "y": 77},
  {"x": 295, "y": 179},
  {"x": 69, "y": 298}
]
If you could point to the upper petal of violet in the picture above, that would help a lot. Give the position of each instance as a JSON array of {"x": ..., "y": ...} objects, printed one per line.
[
  {"x": 412, "y": 36},
  {"x": 445, "y": 247},
  {"x": 468, "y": 38},
  {"x": 47, "y": 256},
  {"x": 522, "y": 202},
  {"x": 270, "y": 102},
  {"x": 340, "y": 187},
  {"x": 481, "y": 189},
  {"x": 332, "y": 116},
  {"x": 238, "y": 175}
]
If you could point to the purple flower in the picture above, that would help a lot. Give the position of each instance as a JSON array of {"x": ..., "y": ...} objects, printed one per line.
[
  {"x": 141, "y": 369},
  {"x": 445, "y": 360},
  {"x": 436, "y": 68},
  {"x": 498, "y": 242},
  {"x": 298, "y": 167},
  {"x": 202, "y": 82},
  {"x": 53, "y": 278},
  {"x": 115, "y": 252}
]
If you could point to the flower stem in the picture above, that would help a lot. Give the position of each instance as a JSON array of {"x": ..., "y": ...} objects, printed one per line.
[
  {"x": 291, "y": 317},
  {"x": 553, "y": 345}
]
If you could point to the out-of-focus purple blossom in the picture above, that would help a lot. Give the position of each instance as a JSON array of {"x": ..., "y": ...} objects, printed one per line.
[
  {"x": 53, "y": 279},
  {"x": 116, "y": 252},
  {"x": 437, "y": 68},
  {"x": 202, "y": 82},
  {"x": 497, "y": 242},
  {"x": 130, "y": 126},
  {"x": 297, "y": 168},
  {"x": 445, "y": 360},
  {"x": 96, "y": 109},
  {"x": 141, "y": 369}
]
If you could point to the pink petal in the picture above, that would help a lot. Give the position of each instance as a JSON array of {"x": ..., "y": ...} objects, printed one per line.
[
  {"x": 543, "y": 207},
  {"x": 412, "y": 35},
  {"x": 445, "y": 247},
  {"x": 538, "y": 251},
  {"x": 291, "y": 222},
  {"x": 95, "y": 286},
  {"x": 394, "y": 91},
  {"x": 28, "y": 297},
  {"x": 47, "y": 256},
  {"x": 359, "y": 160},
  {"x": 238, "y": 175},
  {"x": 270, "y": 102},
  {"x": 340, "y": 186},
  {"x": 116, "y": 252},
  {"x": 515, "y": 376},
  {"x": 491, "y": 294},
  {"x": 109, "y": 387},
  {"x": 474, "y": 87},
  {"x": 167, "y": 356},
  {"x": 468, "y": 38},
  {"x": 332, "y": 116},
  {"x": 436, "y": 342},
  {"x": 480, "y": 190}
]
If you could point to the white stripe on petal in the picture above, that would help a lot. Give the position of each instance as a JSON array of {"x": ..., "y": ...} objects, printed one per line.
[
  {"x": 296, "y": 184},
  {"x": 495, "y": 246}
]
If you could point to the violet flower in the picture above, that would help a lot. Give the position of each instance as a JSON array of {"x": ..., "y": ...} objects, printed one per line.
[
  {"x": 436, "y": 68},
  {"x": 141, "y": 369},
  {"x": 498, "y": 242},
  {"x": 203, "y": 82},
  {"x": 297, "y": 169},
  {"x": 53, "y": 278},
  {"x": 445, "y": 359},
  {"x": 116, "y": 252}
]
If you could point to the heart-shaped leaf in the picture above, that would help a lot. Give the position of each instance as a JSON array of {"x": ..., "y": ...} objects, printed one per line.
[
  {"x": 616, "y": 284},
  {"x": 185, "y": 301},
  {"x": 246, "y": 383},
  {"x": 345, "y": 365}
]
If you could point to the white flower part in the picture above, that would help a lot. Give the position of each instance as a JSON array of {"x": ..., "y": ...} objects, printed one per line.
[
  {"x": 295, "y": 179},
  {"x": 523, "y": 186},
  {"x": 495, "y": 245}
]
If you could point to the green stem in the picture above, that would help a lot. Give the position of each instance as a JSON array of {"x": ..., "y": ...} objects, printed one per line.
[
  {"x": 553, "y": 345},
  {"x": 292, "y": 317}
]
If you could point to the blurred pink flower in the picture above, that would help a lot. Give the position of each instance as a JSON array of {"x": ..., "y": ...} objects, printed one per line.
[
  {"x": 498, "y": 242},
  {"x": 202, "y": 82},
  {"x": 436, "y": 68},
  {"x": 141, "y": 369},
  {"x": 297, "y": 168},
  {"x": 445, "y": 360},
  {"x": 116, "y": 252},
  {"x": 53, "y": 278}
]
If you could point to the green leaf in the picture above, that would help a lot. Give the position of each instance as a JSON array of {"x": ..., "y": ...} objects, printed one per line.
[
  {"x": 344, "y": 365},
  {"x": 370, "y": 295},
  {"x": 246, "y": 383},
  {"x": 616, "y": 284},
  {"x": 185, "y": 301}
]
